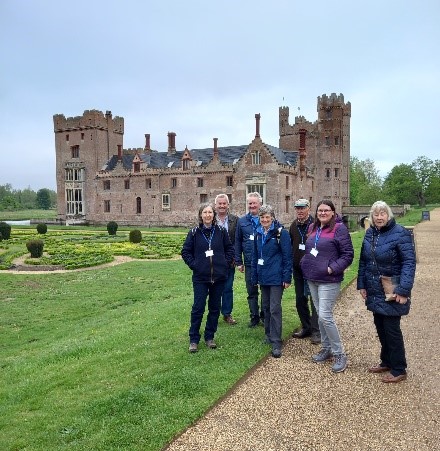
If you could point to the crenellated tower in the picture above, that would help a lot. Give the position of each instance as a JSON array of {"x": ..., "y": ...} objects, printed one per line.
[{"x": 83, "y": 144}]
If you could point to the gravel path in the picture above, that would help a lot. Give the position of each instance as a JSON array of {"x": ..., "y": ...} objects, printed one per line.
[{"x": 293, "y": 404}]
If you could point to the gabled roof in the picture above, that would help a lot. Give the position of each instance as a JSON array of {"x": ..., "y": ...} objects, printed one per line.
[{"x": 226, "y": 155}]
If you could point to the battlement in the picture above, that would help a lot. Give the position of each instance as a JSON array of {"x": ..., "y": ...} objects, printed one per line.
[
  {"x": 89, "y": 120},
  {"x": 332, "y": 101},
  {"x": 134, "y": 151}
]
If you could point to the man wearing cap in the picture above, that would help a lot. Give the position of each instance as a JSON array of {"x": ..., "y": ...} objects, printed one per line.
[{"x": 298, "y": 236}]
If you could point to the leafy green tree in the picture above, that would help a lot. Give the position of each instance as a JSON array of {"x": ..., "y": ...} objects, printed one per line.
[
  {"x": 43, "y": 199},
  {"x": 365, "y": 182},
  {"x": 427, "y": 172},
  {"x": 401, "y": 185}
]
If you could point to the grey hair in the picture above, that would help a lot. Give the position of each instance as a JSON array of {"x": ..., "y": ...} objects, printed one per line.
[
  {"x": 255, "y": 194},
  {"x": 266, "y": 210},
  {"x": 202, "y": 207},
  {"x": 221, "y": 196},
  {"x": 380, "y": 205}
]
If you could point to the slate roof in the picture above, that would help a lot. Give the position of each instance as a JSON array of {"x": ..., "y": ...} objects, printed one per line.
[{"x": 227, "y": 155}]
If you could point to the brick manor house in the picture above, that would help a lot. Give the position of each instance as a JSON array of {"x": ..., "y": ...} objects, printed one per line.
[{"x": 99, "y": 181}]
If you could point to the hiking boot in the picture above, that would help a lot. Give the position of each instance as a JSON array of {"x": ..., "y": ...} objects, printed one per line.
[
  {"x": 340, "y": 363},
  {"x": 255, "y": 320},
  {"x": 211, "y": 344},
  {"x": 315, "y": 338},
  {"x": 322, "y": 356},
  {"x": 193, "y": 347},
  {"x": 228, "y": 319},
  {"x": 276, "y": 353}
]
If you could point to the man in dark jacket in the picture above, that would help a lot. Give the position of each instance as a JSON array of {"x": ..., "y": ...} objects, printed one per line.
[
  {"x": 229, "y": 222},
  {"x": 298, "y": 232},
  {"x": 244, "y": 246}
]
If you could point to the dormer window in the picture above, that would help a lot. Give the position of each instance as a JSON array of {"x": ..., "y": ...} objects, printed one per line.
[{"x": 186, "y": 164}]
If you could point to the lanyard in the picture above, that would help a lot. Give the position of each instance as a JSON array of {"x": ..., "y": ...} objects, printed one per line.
[
  {"x": 301, "y": 232},
  {"x": 317, "y": 236},
  {"x": 210, "y": 237}
]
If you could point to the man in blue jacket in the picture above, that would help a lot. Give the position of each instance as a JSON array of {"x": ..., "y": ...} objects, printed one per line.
[{"x": 244, "y": 246}]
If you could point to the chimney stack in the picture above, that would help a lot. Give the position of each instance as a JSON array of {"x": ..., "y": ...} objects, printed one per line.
[
  {"x": 215, "y": 155},
  {"x": 257, "y": 125},
  {"x": 147, "y": 141},
  {"x": 171, "y": 142}
]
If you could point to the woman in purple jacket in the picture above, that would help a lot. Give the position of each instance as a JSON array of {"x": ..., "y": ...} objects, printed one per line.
[{"x": 329, "y": 251}]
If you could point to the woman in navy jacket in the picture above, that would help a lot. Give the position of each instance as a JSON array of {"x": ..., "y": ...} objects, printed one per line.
[
  {"x": 387, "y": 250},
  {"x": 329, "y": 251},
  {"x": 272, "y": 270},
  {"x": 209, "y": 253}
]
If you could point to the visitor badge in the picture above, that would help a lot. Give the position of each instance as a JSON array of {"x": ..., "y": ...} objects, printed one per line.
[
  {"x": 251, "y": 237},
  {"x": 209, "y": 253},
  {"x": 260, "y": 261},
  {"x": 314, "y": 252},
  {"x": 302, "y": 247}
]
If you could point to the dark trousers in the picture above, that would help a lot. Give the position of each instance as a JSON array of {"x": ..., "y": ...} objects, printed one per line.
[
  {"x": 271, "y": 296},
  {"x": 252, "y": 291},
  {"x": 212, "y": 291},
  {"x": 392, "y": 353},
  {"x": 228, "y": 294},
  {"x": 309, "y": 321}
]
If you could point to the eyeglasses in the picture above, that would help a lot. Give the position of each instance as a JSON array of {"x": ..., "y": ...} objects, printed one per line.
[{"x": 324, "y": 211}]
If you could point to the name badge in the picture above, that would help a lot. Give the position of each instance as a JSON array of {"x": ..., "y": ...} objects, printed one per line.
[
  {"x": 260, "y": 261},
  {"x": 302, "y": 247},
  {"x": 314, "y": 252},
  {"x": 251, "y": 237},
  {"x": 209, "y": 253}
]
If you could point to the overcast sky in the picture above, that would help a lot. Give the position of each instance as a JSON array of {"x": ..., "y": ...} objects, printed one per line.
[{"x": 202, "y": 69}]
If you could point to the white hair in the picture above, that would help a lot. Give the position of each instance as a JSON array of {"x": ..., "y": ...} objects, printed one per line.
[{"x": 380, "y": 205}]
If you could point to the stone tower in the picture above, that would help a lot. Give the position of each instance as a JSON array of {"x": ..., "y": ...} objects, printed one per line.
[
  {"x": 83, "y": 144},
  {"x": 325, "y": 149}
]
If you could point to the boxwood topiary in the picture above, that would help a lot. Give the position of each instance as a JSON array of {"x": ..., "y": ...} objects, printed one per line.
[
  {"x": 135, "y": 236},
  {"x": 35, "y": 247},
  {"x": 112, "y": 228},
  {"x": 5, "y": 230},
  {"x": 41, "y": 228}
]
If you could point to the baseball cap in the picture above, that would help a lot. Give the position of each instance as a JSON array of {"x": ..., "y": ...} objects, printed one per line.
[{"x": 302, "y": 203}]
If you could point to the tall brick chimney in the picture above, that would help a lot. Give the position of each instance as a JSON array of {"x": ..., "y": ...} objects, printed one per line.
[
  {"x": 147, "y": 142},
  {"x": 257, "y": 125},
  {"x": 171, "y": 142},
  {"x": 215, "y": 155},
  {"x": 302, "y": 152}
]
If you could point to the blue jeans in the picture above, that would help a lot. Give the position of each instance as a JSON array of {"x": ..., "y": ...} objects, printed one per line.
[
  {"x": 324, "y": 297},
  {"x": 271, "y": 296},
  {"x": 228, "y": 294},
  {"x": 214, "y": 293}
]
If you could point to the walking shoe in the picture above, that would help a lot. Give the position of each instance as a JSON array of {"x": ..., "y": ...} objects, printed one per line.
[
  {"x": 193, "y": 347},
  {"x": 389, "y": 378},
  {"x": 303, "y": 333},
  {"x": 211, "y": 344},
  {"x": 378, "y": 369},
  {"x": 254, "y": 321},
  {"x": 340, "y": 363},
  {"x": 323, "y": 355},
  {"x": 315, "y": 338},
  {"x": 276, "y": 353},
  {"x": 228, "y": 319}
]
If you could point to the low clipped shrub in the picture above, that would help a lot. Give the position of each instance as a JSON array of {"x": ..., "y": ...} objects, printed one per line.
[
  {"x": 35, "y": 247},
  {"x": 5, "y": 230},
  {"x": 135, "y": 236},
  {"x": 112, "y": 227},
  {"x": 41, "y": 228}
]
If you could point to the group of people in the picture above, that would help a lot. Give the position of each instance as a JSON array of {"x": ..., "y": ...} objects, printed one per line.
[{"x": 315, "y": 251}]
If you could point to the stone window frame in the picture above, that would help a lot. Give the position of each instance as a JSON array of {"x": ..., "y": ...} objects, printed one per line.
[
  {"x": 107, "y": 206},
  {"x": 166, "y": 201}
]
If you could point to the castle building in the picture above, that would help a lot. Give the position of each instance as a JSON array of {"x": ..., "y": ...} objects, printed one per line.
[{"x": 99, "y": 181}]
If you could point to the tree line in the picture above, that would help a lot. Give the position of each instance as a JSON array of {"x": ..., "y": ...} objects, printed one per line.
[
  {"x": 26, "y": 199},
  {"x": 417, "y": 183}
]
